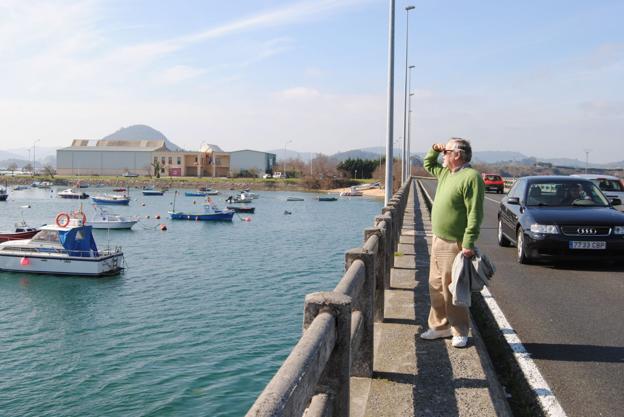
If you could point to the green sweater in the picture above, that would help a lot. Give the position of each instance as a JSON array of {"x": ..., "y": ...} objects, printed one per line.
[{"x": 458, "y": 206}]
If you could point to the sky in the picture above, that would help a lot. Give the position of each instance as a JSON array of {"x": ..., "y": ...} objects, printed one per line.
[{"x": 544, "y": 78}]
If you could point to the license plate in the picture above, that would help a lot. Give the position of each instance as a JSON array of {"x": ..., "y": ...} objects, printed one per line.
[{"x": 575, "y": 244}]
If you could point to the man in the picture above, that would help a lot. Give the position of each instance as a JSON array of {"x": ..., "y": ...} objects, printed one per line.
[
  {"x": 573, "y": 193},
  {"x": 455, "y": 218}
]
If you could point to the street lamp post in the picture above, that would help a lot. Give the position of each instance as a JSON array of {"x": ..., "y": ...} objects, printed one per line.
[
  {"x": 405, "y": 115},
  {"x": 35, "y": 158},
  {"x": 390, "y": 111},
  {"x": 408, "y": 158},
  {"x": 284, "y": 163},
  {"x": 587, "y": 151}
]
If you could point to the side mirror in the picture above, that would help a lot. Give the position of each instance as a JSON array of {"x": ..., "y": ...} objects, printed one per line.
[
  {"x": 513, "y": 200},
  {"x": 616, "y": 202}
]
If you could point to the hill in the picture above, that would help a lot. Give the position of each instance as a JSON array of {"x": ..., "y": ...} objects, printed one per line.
[{"x": 142, "y": 132}]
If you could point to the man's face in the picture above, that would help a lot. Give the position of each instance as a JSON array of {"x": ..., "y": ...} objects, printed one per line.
[{"x": 449, "y": 157}]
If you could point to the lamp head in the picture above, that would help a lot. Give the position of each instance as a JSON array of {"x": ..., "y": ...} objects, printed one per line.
[{"x": 408, "y": 8}]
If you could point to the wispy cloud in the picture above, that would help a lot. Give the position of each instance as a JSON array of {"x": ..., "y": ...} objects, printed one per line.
[{"x": 295, "y": 13}]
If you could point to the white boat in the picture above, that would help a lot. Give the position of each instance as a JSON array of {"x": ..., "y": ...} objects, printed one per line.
[
  {"x": 71, "y": 194},
  {"x": 242, "y": 198},
  {"x": 352, "y": 192},
  {"x": 250, "y": 194},
  {"x": 106, "y": 220},
  {"x": 64, "y": 248}
]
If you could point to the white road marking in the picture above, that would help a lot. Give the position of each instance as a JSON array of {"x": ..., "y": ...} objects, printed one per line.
[
  {"x": 547, "y": 400},
  {"x": 549, "y": 403}
]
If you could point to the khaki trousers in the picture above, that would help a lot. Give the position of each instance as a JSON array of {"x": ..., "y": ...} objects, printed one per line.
[{"x": 443, "y": 313}]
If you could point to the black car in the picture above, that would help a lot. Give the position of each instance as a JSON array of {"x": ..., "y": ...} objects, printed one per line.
[{"x": 560, "y": 217}]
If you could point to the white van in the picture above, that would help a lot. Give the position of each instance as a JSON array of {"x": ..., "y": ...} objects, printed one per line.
[{"x": 611, "y": 186}]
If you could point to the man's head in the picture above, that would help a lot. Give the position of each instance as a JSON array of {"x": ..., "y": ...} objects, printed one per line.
[{"x": 457, "y": 152}]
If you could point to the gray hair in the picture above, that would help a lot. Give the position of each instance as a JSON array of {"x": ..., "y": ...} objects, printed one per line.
[{"x": 462, "y": 146}]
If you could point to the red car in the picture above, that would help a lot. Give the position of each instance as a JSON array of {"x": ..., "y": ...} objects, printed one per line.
[{"x": 493, "y": 182}]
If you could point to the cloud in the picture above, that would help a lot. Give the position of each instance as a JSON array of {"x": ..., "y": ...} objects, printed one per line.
[
  {"x": 603, "y": 108},
  {"x": 177, "y": 74},
  {"x": 298, "y": 93}
]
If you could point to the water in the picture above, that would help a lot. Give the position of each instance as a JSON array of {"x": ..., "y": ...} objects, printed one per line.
[{"x": 196, "y": 326}]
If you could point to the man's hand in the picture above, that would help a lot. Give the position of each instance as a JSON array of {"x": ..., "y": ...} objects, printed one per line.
[
  {"x": 438, "y": 147},
  {"x": 468, "y": 253}
]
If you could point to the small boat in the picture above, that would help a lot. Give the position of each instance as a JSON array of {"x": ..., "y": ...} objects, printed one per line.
[
  {"x": 294, "y": 199},
  {"x": 328, "y": 198},
  {"x": 106, "y": 220},
  {"x": 118, "y": 199},
  {"x": 71, "y": 194},
  {"x": 242, "y": 198},
  {"x": 352, "y": 192},
  {"x": 195, "y": 193},
  {"x": 211, "y": 213},
  {"x": 22, "y": 231},
  {"x": 20, "y": 187},
  {"x": 153, "y": 192},
  {"x": 250, "y": 194},
  {"x": 120, "y": 190},
  {"x": 41, "y": 184},
  {"x": 64, "y": 248},
  {"x": 82, "y": 185},
  {"x": 242, "y": 209},
  {"x": 208, "y": 191},
  {"x": 3, "y": 194}
]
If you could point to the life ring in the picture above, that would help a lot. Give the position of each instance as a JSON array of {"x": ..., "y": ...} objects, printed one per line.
[
  {"x": 62, "y": 219},
  {"x": 80, "y": 214}
]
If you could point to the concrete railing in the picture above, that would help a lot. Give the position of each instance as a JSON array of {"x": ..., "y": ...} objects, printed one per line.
[{"x": 337, "y": 341}]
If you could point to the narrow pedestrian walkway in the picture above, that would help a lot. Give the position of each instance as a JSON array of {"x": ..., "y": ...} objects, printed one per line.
[{"x": 415, "y": 377}]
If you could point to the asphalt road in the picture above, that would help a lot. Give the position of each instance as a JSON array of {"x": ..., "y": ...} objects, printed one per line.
[{"x": 570, "y": 317}]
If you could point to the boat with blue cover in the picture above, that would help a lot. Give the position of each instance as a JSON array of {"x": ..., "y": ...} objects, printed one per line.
[{"x": 64, "y": 248}]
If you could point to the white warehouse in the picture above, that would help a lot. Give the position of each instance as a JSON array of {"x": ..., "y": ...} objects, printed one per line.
[
  {"x": 251, "y": 161},
  {"x": 107, "y": 157}
]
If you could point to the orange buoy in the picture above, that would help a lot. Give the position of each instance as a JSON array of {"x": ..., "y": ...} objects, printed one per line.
[
  {"x": 162, "y": 227},
  {"x": 24, "y": 261}
]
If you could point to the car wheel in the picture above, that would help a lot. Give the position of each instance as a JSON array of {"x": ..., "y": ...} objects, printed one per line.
[
  {"x": 502, "y": 240},
  {"x": 523, "y": 257}
]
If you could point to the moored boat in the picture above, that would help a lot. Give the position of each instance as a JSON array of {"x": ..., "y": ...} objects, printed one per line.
[
  {"x": 294, "y": 199},
  {"x": 153, "y": 192},
  {"x": 242, "y": 198},
  {"x": 116, "y": 199},
  {"x": 4, "y": 194},
  {"x": 71, "y": 194},
  {"x": 351, "y": 192},
  {"x": 64, "y": 248},
  {"x": 195, "y": 193},
  {"x": 242, "y": 209},
  {"x": 104, "y": 219},
  {"x": 211, "y": 213},
  {"x": 327, "y": 198},
  {"x": 22, "y": 231}
]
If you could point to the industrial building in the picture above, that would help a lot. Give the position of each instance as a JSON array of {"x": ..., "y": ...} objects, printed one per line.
[
  {"x": 255, "y": 162},
  {"x": 107, "y": 157},
  {"x": 117, "y": 157}
]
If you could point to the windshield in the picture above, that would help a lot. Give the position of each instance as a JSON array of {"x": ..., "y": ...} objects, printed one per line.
[
  {"x": 608, "y": 185},
  {"x": 565, "y": 194},
  {"x": 493, "y": 178}
]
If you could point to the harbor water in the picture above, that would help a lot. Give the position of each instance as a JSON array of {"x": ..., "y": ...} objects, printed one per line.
[{"x": 197, "y": 324}]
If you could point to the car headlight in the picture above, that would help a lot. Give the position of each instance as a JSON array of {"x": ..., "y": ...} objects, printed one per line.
[
  {"x": 618, "y": 230},
  {"x": 550, "y": 229}
]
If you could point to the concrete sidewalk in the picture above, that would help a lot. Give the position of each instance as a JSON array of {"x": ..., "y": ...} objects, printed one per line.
[{"x": 415, "y": 377}]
